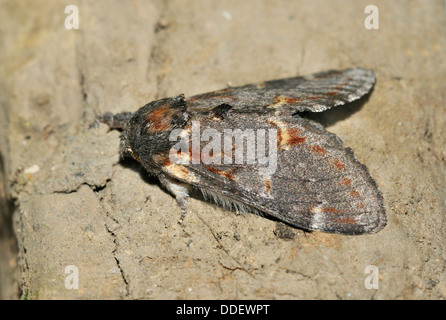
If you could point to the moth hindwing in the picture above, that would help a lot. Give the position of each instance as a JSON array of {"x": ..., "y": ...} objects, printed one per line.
[{"x": 246, "y": 148}]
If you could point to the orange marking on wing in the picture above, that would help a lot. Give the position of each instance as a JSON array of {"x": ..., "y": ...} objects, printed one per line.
[
  {"x": 205, "y": 157},
  {"x": 287, "y": 136},
  {"x": 228, "y": 174},
  {"x": 281, "y": 100},
  {"x": 318, "y": 149},
  {"x": 314, "y": 97},
  {"x": 268, "y": 186},
  {"x": 332, "y": 93},
  {"x": 161, "y": 159},
  {"x": 176, "y": 170},
  {"x": 294, "y": 138},
  {"x": 183, "y": 156},
  {"x": 292, "y": 100},
  {"x": 161, "y": 118},
  {"x": 180, "y": 172},
  {"x": 346, "y": 182},
  {"x": 355, "y": 193},
  {"x": 195, "y": 157},
  {"x": 338, "y": 164},
  {"x": 135, "y": 156}
]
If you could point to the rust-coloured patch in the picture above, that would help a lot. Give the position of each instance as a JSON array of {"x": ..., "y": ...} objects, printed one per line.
[
  {"x": 268, "y": 186},
  {"x": 287, "y": 136},
  {"x": 206, "y": 157},
  {"x": 180, "y": 155},
  {"x": 294, "y": 138},
  {"x": 330, "y": 210},
  {"x": 160, "y": 119},
  {"x": 355, "y": 193},
  {"x": 161, "y": 159},
  {"x": 135, "y": 156},
  {"x": 318, "y": 149},
  {"x": 228, "y": 174},
  {"x": 332, "y": 93},
  {"x": 346, "y": 182},
  {"x": 338, "y": 164},
  {"x": 180, "y": 172},
  {"x": 166, "y": 161},
  {"x": 314, "y": 97},
  {"x": 339, "y": 87},
  {"x": 360, "y": 205},
  {"x": 181, "y": 169},
  {"x": 195, "y": 157},
  {"x": 292, "y": 100},
  {"x": 176, "y": 170},
  {"x": 281, "y": 100}
]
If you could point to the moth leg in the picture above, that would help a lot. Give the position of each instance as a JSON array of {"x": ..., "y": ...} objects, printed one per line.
[{"x": 179, "y": 190}]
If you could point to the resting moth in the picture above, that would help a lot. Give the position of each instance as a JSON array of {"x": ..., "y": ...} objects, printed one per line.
[{"x": 217, "y": 142}]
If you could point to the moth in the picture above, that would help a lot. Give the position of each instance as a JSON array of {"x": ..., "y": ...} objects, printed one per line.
[{"x": 248, "y": 148}]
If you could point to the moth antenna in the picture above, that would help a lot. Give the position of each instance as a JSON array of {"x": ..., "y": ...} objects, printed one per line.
[{"x": 116, "y": 121}]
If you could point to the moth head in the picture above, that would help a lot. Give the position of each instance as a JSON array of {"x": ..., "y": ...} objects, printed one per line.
[{"x": 147, "y": 131}]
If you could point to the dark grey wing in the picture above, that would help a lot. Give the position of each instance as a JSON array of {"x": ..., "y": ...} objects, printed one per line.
[
  {"x": 309, "y": 180},
  {"x": 314, "y": 93}
]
